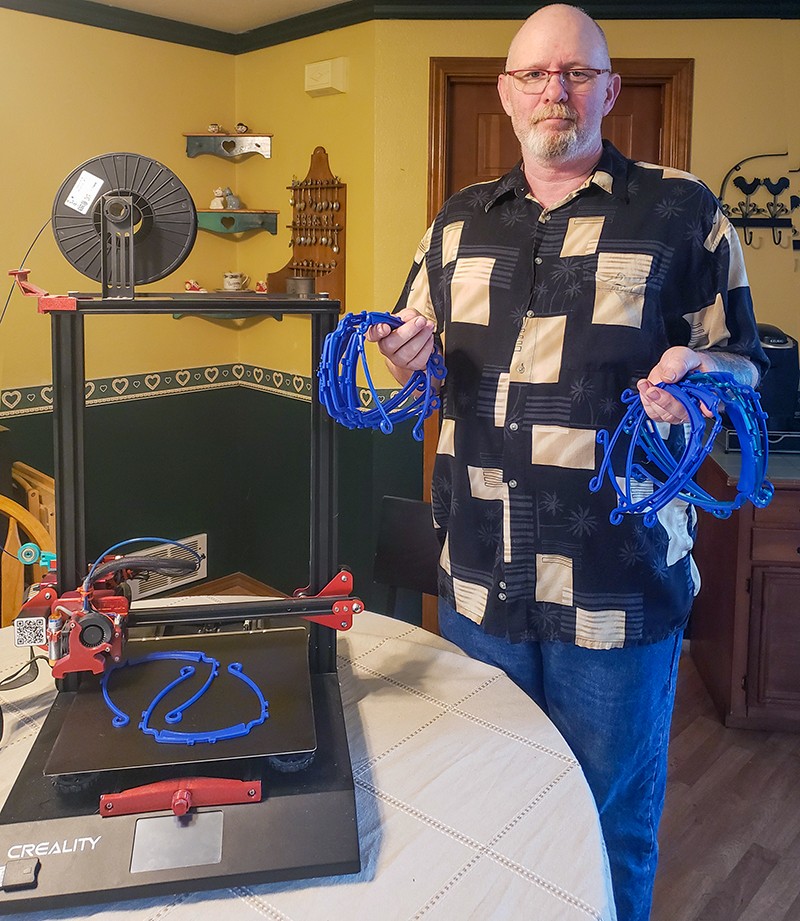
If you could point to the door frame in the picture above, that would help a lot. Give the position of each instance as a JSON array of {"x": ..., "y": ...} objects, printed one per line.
[{"x": 675, "y": 76}]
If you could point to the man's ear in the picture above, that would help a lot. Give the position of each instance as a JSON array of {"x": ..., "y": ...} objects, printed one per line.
[
  {"x": 503, "y": 89},
  {"x": 612, "y": 91}
]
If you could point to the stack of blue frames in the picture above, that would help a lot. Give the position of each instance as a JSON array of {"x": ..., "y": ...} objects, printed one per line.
[
  {"x": 342, "y": 353},
  {"x": 673, "y": 478}
]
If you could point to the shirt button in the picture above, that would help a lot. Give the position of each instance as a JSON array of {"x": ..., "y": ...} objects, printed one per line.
[
  {"x": 513, "y": 426},
  {"x": 529, "y": 313},
  {"x": 547, "y": 217},
  {"x": 512, "y": 484},
  {"x": 538, "y": 260},
  {"x": 502, "y": 584},
  {"x": 501, "y": 596}
]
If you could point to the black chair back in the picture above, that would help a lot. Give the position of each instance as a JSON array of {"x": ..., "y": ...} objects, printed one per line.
[{"x": 408, "y": 548}]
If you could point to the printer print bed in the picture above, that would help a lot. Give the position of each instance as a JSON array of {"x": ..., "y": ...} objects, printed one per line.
[{"x": 276, "y": 660}]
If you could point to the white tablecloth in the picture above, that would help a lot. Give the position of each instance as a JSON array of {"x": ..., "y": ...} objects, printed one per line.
[{"x": 470, "y": 804}]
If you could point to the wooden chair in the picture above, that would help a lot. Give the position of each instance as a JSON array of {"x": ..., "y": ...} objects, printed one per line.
[
  {"x": 407, "y": 550},
  {"x": 12, "y": 571},
  {"x": 40, "y": 494}
]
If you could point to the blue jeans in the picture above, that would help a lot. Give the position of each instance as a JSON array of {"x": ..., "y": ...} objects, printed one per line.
[{"x": 614, "y": 709}]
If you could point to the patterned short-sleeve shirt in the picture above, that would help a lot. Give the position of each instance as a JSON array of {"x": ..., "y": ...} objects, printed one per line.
[{"x": 545, "y": 317}]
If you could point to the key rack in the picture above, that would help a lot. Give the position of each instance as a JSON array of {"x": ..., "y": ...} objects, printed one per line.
[{"x": 760, "y": 204}]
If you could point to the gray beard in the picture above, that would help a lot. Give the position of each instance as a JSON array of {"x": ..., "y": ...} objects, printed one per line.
[{"x": 553, "y": 146}]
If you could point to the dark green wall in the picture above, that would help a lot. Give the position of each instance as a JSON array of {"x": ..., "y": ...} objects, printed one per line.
[{"x": 233, "y": 463}]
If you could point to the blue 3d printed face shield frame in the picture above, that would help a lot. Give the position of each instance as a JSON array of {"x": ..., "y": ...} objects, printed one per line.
[
  {"x": 339, "y": 392},
  {"x": 235, "y": 731},
  {"x": 646, "y": 490}
]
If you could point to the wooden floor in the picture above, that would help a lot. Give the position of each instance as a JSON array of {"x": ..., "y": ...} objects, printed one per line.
[{"x": 730, "y": 834}]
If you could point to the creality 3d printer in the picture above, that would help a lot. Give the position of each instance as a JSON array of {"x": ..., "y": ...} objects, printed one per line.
[{"x": 111, "y": 806}]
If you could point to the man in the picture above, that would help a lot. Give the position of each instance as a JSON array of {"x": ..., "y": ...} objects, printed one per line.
[{"x": 552, "y": 289}]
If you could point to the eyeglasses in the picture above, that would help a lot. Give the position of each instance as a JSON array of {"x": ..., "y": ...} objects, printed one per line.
[{"x": 534, "y": 81}]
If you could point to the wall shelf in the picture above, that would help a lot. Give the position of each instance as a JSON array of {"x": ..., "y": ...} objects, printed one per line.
[
  {"x": 228, "y": 145},
  {"x": 226, "y": 221}
]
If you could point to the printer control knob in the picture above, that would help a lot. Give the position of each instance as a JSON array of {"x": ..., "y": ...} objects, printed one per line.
[{"x": 181, "y": 802}]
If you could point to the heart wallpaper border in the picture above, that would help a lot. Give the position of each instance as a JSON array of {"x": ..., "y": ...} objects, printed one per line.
[{"x": 20, "y": 401}]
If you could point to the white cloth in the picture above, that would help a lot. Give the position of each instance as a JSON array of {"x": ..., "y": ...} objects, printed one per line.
[{"x": 470, "y": 804}]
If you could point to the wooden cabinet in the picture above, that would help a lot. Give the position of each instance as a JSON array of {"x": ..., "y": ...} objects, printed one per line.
[
  {"x": 745, "y": 626},
  {"x": 773, "y": 682}
]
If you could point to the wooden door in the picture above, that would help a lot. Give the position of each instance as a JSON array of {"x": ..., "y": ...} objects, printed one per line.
[{"x": 471, "y": 140}]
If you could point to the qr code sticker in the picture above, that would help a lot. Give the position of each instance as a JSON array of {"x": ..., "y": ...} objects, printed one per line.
[{"x": 30, "y": 631}]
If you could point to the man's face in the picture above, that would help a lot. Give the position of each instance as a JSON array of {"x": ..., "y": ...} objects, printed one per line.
[{"x": 558, "y": 125}]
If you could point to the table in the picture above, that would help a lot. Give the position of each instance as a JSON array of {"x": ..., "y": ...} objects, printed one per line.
[{"x": 434, "y": 738}]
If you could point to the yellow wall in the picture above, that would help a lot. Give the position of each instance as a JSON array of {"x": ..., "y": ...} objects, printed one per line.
[
  {"x": 790, "y": 35},
  {"x": 739, "y": 111},
  {"x": 68, "y": 93},
  {"x": 270, "y": 94},
  {"x": 376, "y": 135}
]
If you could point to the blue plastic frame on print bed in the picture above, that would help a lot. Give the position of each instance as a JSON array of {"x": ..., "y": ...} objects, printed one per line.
[
  {"x": 169, "y": 736},
  {"x": 342, "y": 354},
  {"x": 718, "y": 391}
]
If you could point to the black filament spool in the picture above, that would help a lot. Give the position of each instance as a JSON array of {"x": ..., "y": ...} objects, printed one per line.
[{"x": 164, "y": 215}]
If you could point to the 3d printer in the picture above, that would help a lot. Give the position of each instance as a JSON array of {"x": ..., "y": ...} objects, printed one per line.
[{"x": 103, "y": 808}]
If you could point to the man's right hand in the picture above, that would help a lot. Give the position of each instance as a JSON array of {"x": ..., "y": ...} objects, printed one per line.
[{"x": 406, "y": 348}]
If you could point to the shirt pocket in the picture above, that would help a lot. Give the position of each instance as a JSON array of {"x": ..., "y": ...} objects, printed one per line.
[{"x": 620, "y": 284}]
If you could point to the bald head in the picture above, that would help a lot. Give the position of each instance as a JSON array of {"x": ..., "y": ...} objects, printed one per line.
[
  {"x": 566, "y": 31},
  {"x": 558, "y": 123}
]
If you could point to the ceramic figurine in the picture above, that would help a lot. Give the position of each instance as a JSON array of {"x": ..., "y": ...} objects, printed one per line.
[
  {"x": 241, "y": 128},
  {"x": 194, "y": 287},
  {"x": 261, "y": 287},
  {"x": 219, "y": 202},
  {"x": 231, "y": 201},
  {"x": 214, "y": 128}
]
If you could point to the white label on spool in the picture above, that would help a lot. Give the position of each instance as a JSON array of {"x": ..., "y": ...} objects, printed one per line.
[{"x": 84, "y": 192}]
